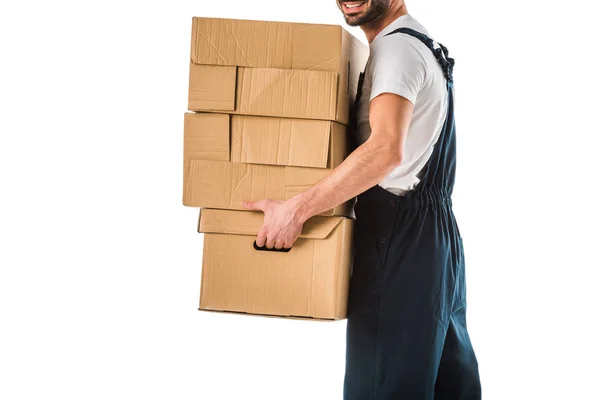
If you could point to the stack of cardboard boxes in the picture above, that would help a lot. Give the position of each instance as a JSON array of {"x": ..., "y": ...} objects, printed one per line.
[{"x": 270, "y": 106}]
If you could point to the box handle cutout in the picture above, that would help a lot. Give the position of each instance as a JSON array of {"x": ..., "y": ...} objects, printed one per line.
[{"x": 264, "y": 248}]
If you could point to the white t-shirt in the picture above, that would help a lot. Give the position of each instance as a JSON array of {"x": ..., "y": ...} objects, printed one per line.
[{"x": 403, "y": 65}]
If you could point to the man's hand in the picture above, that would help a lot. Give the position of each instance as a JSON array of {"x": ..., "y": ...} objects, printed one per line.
[{"x": 281, "y": 226}]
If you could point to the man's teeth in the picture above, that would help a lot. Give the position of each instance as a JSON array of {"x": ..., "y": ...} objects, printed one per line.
[{"x": 354, "y": 5}]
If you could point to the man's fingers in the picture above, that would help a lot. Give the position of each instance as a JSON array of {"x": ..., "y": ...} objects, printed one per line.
[
  {"x": 254, "y": 205},
  {"x": 288, "y": 243},
  {"x": 261, "y": 240},
  {"x": 249, "y": 205},
  {"x": 265, "y": 240}
]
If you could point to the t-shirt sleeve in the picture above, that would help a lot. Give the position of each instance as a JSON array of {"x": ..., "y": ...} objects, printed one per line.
[{"x": 396, "y": 67}]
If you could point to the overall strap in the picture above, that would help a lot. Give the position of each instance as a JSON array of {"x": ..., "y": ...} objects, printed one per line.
[
  {"x": 441, "y": 53},
  {"x": 438, "y": 179}
]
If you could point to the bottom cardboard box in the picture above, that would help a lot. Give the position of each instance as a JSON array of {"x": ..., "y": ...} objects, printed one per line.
[{"x": 309, "y": 281}]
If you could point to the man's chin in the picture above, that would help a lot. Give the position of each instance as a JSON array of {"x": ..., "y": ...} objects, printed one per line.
[{"x": 353, "y": 21}]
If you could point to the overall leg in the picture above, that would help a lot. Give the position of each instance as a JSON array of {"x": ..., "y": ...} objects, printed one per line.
[
  {"x": 458, "y": 376},
  {"x": 399, "y": 307},
  {"x": 363, "y": 308},
  {"x": 419, "y": 276}
]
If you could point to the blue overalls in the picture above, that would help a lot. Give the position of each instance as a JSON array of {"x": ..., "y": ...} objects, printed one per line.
[{"x": 406, "y": 331}]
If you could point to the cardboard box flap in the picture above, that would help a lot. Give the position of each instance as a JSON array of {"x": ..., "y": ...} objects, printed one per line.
[
  {"x": 249, "y": 223},
  {"x": 287, "y": 93},
  {"x": 280, "y": 141}
]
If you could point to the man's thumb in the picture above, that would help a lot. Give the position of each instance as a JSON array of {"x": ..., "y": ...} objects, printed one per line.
[{"x": 251, "y": 205}]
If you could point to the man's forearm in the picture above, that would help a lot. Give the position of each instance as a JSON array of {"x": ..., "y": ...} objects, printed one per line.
[{"x": 363, "y": 168}]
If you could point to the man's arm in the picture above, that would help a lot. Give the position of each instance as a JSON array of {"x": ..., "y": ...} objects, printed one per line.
[
  {"x": 398, "y": 72},
  {"x": 389, "y": 117},
  {"x": 369, "y": 164}
]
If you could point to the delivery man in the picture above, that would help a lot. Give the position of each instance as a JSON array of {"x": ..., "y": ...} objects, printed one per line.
[{"x": 406, "y": 337}]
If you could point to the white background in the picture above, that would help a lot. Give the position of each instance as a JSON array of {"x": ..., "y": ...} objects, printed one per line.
[{"x": 100, "y": 262}]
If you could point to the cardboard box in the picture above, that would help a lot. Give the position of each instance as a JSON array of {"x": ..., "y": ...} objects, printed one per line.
[
  {"x": 228, "y": 159},
  {"x": 274, "y": 68},
  {"x": 266, "y": 92},
  {"x": 264, "y": 140},
  {"x": 309, "y": 281}
]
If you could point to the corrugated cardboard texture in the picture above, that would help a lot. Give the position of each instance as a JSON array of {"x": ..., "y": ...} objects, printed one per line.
[
  {"x": 263, "y": 44},
  {"x": 312, "y": 148},
  {"x": 265, "y": 92},
  {"x": 311, "y": 280},
  {"x": 212, "y": 87},
  {"x": 219, "y": 184},
  {"x": 206, "y": 137},
  {"x": 280, "y": 141},
  {"x": 286, "y": 93},
  {"x": 249, "y": 223},
  {"x": 263, "y": 140}
]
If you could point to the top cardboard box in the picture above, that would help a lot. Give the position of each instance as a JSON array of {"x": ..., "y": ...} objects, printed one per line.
[{"x": 274, "y": 69}]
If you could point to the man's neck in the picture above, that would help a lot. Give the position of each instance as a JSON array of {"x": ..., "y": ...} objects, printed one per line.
[{"x": 373, "y": 28}]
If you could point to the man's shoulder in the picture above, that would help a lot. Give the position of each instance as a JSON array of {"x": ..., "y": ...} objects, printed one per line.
[
  {"x": 396, "y": 46},
  {"x": 390, "y": 37}
]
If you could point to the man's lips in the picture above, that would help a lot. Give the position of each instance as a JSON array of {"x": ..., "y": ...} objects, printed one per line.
[{"x": 353, "y": 7}]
